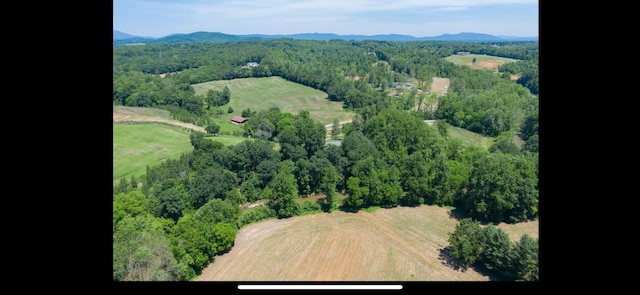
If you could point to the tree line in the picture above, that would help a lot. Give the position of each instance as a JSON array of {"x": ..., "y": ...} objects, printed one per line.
[{"x": 479, "y": 101}]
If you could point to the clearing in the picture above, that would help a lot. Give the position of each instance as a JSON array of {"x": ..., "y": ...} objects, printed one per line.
[
  {"x": 399, "y": 244},
  {"x": 263, "y": 93}
]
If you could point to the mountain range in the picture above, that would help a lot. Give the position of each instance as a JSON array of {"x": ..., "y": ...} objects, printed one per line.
[{"x": 121, "y": 38}]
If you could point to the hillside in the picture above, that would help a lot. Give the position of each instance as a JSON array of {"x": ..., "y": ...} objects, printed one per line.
[
  {"x": 264, "y": 93},
  {"x": 399, "y": 244}
]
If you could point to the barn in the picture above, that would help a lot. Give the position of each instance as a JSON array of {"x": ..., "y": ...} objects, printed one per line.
[{"x": 238, "y": 120}]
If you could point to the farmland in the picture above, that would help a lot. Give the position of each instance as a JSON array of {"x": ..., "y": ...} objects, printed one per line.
[
  {"x": 263, "y": 93},
  {"x": 398, "y": 244},
  {"x": 482, "y": 61},
  {"x": 138, "y": 145},
  {"x": 146, "y": 136}
]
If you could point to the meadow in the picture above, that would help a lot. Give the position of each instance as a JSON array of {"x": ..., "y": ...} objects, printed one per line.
[
  {"x": 137, "y": 145},
  {"x": 470, "y": 138},
  {"x": 263, "y": 93},
  {"x": 482, "y": 61}
]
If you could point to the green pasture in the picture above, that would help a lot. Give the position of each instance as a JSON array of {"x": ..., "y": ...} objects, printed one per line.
[
  {"x": 263, "y": 93},
  {"x": 228, "y": 139},
  {"x": 137, "y": 145},
  {"x": 470, "y": 138}
]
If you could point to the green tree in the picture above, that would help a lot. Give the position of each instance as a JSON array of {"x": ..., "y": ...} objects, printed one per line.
[
  {"x": 171, "y": 203},
  {"x": 330, "y": 179},
  {"x": 356, "y": 192},
  {"x": 142, "y": 252},
  {"x": 217, "y": 210},
  {"x": 192, "y": 244},
  {"x": 283, "y": 191},
  {"x": 525, "y": 259},
  {"x": 132, "y": 204},
  {"x": 443, "y": 127},
  {"x": 224, "y": 235},
  {"x": 465, "y": 243},
  {"x": 504, "y": 143},
  {"x": 502, "y": 188},
  {"x": 531, "y": 144},
  {"x": 496, "y": 253},
  {"x": 213, "y": 128},
  {"x": 211, "y": 183}
]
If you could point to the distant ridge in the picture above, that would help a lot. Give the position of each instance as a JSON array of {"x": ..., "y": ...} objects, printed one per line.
[{"x": 121, "y": 38}]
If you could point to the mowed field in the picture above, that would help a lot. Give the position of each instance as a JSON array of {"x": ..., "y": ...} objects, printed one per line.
[
  {"x": 148, "y": 136},
  {"x": 263, "y": 93},
  {"x": 482, "y": 61},
  {"x": 398, "y": 244},
  {"x": 137, "y": 145}
]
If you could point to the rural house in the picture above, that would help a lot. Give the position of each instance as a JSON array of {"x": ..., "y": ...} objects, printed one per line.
[{"x": 238, "y": 120}]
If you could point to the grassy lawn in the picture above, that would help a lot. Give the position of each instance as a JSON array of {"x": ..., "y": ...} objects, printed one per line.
[
  {"x": 228, "y": 140},
  {"x": 138, "y": 145},
  {"x": 263, "y": 93},
  {"x": 470, "y": 138}
]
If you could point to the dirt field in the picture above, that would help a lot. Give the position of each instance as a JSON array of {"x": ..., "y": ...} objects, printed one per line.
[
  {"x": 133, "y": 114},
  {"x": 485, "y": 65},
  {"x": 439, "y": 85},
  {"x": 399, "y": 244}
]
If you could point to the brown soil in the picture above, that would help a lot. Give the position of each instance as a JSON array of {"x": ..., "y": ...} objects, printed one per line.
[
  {"x": 489, "y": 64},
  {"x": 484, "y": 65},
  {"x": 440, "y": 85}
]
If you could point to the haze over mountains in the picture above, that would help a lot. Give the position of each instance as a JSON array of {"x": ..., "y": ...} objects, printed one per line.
[{"x": 122, "y": 38}]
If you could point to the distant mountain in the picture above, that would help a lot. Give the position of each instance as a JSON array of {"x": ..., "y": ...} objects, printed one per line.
[
  {"x": 120, "y": 38},
  {"x": 117, "y": 35}
]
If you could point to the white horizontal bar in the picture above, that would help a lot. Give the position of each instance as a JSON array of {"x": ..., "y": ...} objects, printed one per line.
[{"x": 319, "y": 287}]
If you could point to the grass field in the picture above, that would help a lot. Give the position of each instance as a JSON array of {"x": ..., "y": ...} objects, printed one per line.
[
  {"x": 228, "y": 140},
  {"x": 398, "y": 244},
  {"x": 470, "y": 138},
  {"x": 482, "y": 61},
  {"x": 137, "y": 145},
  {"x": 263, "y": 93}
]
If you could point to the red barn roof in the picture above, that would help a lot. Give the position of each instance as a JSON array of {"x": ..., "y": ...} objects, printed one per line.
[{"x": 238, "y": 119}]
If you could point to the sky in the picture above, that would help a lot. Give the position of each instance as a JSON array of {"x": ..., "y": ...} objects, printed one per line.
[{"x": 418, "y": 18}]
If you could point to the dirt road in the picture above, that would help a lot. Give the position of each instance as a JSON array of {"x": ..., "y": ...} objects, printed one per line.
[{"x": 133, "y": 114}]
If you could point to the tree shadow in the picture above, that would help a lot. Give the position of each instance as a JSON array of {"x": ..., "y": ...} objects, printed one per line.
[
  {"x": 457, "y": 213},
  {"x": 449, "y": 261}
]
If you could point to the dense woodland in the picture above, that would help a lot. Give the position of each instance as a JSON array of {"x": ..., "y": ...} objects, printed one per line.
[{"x": 173, "y": 222}]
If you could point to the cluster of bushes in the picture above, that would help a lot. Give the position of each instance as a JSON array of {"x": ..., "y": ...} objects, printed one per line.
[{"x": 490, "y": 247}]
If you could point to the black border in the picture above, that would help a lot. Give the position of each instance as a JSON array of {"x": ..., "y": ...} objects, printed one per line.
[{"x": 547, "y": 271}]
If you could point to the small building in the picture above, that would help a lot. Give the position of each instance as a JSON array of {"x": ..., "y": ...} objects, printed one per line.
[
  {"x": 430, "y": 122},
  {"x": 238, "y": 120},
  {"x": 252, "y": 64},
  {"x": 463, "y": 53}
]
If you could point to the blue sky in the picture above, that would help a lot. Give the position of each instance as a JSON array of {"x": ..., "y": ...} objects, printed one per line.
[{"x": 419, "y": 18}]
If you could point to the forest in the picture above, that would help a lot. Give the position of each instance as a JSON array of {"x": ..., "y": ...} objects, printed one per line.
[{"x": 174, "y": 221}]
